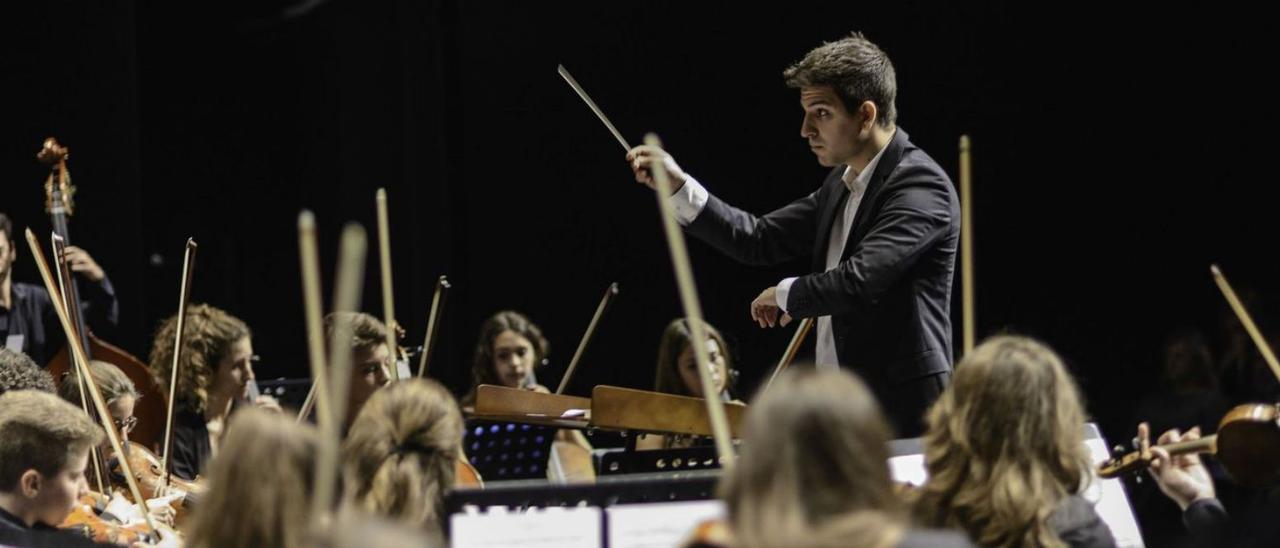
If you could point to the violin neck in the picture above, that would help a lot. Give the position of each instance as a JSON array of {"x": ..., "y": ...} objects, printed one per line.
[{"x": 1207, "y": 444}]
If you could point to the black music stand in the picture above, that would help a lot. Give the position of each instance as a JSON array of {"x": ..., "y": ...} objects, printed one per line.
[{"x": 502, "y": 451}]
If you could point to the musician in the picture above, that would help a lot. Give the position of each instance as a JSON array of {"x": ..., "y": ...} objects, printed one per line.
[
  {"x": 371, "y": 359},
  {"x": 44, "y": 449},
  {"x": 260, "y": 484},
  {"x": 28, "y": 322},
  {"x": 882, "y": 231},
  {"x": 677, "y": 373},
  {"x": 1004, "y": 452},
  {"x": 214, "y": 373},
  {"x": 118, "y": 392},
  {"x": 1186, "y": 481},
  {"x": 18, "y": 372},
  {"x": 401, "y": 451},
  {"x": 814, "y": 470},
  {"x": 508, "y": 352}
]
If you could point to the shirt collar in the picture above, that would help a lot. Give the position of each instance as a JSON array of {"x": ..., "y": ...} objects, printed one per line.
[{"x": 857, "y": 182}]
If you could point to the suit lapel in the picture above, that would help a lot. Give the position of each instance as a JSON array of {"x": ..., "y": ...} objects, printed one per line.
[{"x": 870, "y": 206}]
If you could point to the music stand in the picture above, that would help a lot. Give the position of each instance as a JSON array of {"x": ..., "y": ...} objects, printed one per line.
[{"x": 508, "y": 451}]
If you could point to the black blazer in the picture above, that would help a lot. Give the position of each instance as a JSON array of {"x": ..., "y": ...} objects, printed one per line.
[{"x": 890, "y": 297}]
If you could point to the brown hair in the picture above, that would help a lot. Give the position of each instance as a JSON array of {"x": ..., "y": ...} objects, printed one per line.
[
  {"x": 366, "y": 330},
  {"x": 482, "y": 371},
  {"x": 18, "y": 372},
  {"x": 259, "y": 484},
  {"x": 401, "y": 451},
  {"x": 208, "y": 336},
  {"x": 1003, "y": 445},
  {"x": 675, "y": 339},
  {"x": 814, "y": 457},
  {"x": 856, "y": 69},
  {"x": 39, "y": 431}
]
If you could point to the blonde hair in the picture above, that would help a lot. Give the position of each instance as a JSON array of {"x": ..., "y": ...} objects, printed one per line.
[
  {"x": 208, "y": 335},
  {"x": 259, "y": 484},
  {"x": 814, "y": 465},
  {"x": 111, "y": 381},
  {"x": 1003, "y": 445},
  {"x": 401, "y": 451}
]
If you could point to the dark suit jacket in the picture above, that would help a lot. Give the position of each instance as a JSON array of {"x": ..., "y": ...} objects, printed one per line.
[
  {"x": 32, "y": 316},
  {"x": 890, "y": 297}
]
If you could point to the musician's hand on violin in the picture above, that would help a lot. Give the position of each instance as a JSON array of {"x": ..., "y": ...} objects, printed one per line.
[
  {"x": 161, "y": 507},
  {"x": 1182, "y": 478},
  {"x": 643, "y": 157},
  {"x": 765, "y": 310},
  {"x": 169, "y": 538},
  {"x": 162, "y": 514},
  {"x": 80, "y": 261}
]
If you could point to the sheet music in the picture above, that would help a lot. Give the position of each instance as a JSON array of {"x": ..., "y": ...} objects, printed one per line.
[
  {"x": 1110, "y": 501},
  {"x": 658, "y": 525},
  {"x": 908, "y": 469},
  {"x": 578, "y": 527}
]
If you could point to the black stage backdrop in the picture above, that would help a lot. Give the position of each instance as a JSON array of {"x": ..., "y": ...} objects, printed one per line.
[{"x": 1116, "y": 155}]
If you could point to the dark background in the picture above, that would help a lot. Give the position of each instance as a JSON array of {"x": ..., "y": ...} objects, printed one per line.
[{"x": 1116, "y": 155}]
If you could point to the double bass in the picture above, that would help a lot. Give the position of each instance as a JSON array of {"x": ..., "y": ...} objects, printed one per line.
[{"x": 150, "y": 408}]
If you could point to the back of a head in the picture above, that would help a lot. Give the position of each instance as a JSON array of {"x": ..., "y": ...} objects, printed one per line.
[
  {"x": 259, "y": 484},
  {"x": 401, "y": 451},
  {"x": 814, "y": 452},
  {"x": 18, "y": 372},
  {"x": 40, "y": 431},
  {"x": 361, "y": 530},
  {"x": 1004, "y": 445},
  {"x": 111, "y": 381}
]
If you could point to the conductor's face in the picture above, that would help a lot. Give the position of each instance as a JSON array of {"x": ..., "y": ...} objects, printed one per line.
[{"x": 835, "y": 134}]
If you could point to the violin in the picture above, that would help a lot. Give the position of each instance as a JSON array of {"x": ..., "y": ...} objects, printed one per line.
[
  {"x": 150, "y": 475},
  {"x": 712, "y": 533},
  {"x": 466, "y": 475},
  {"x": 88, "y": 519},
  {"x": 1247, "y": 444}
]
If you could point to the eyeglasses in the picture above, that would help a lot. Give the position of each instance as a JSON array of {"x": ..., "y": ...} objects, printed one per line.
[{"x": 125, "y": 425}]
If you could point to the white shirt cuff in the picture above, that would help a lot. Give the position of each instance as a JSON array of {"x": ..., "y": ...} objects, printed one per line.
[
  {"x": 784, "y": 289},
  {"x": 689, "y": 201}
]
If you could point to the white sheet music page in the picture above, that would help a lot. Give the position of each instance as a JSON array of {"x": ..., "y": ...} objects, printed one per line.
[
  {"x": 577, "y": 527},
  {"x": 659, "y": 524}
]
